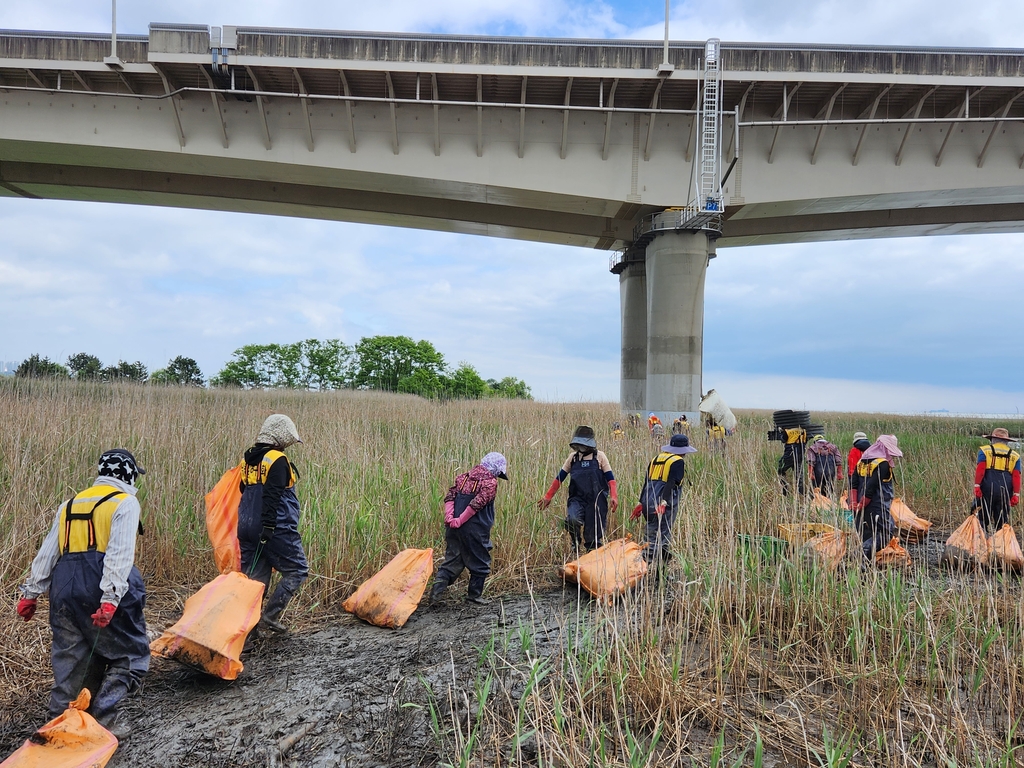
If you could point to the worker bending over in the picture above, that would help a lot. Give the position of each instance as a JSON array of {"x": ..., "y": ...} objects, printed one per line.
[
  {"x": 659, "y": 498},
  {"x": 87, "y": 563},
  {"x": 468, "y": 519},
  {"x": 268, "y": 517},
  {"x": 996, "y": 480},
  {"x": 824, "y": 464},
  {"x": 591, "y": 485},
  {"x": 875, "y": 494}
]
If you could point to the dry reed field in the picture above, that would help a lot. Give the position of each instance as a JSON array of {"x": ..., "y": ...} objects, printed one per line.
[{"x": 732, "y": 659}]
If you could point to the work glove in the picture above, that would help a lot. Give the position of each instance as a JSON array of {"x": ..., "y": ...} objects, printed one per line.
[
  {"x": 449, "y": 512},
  {"x": 458, "y": 522},
  {"x": 977, "y": 491},
  {"x": 637, "y": 511},
  {"x": 613, "y": 505},
  {"x": 267, "y": 534},
  {"x": 103, "y": 616},
  {"x": 662, "y": 507},
  {"x": 851, "y": 499},
  {"x": 1014, "y": 500},
  {"x": 27, "y": 608}
]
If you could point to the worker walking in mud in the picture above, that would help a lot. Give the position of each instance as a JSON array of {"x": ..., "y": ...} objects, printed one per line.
[
  {"x": 468, "y": 519},
  {"x": 874, "y": 485},
  {"x": 268, "y": 518},
  {"x": 860, "y": 444},
  {"x": 87, "y": 563},
  {"x": 824, "y": 465},
  {"x": 591, "y": 489},
  {"x": 659, "y": 498},
  {"x": 996, "y": 481}
]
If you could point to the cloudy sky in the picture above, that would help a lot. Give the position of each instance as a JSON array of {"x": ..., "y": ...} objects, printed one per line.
[{"x": 943, "y": 313}]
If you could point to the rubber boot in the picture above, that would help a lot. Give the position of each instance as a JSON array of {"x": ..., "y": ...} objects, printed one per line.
[
  {"x": 476, "y": 590},
  {"x": 278, "y": 601},
  {"x": 436, "y": 592}
]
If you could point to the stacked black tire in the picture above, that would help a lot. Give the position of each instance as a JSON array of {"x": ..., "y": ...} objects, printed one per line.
[{"x": 796, "y": 419}]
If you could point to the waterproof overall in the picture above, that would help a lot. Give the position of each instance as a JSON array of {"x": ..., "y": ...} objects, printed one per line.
[
  {"x": 877, "y": 528},
  {"x": 284, "y": 552},
  {"x": 997, "y": 486},
  {"x": 109, "y": 661},
  {"x": 467, "y": 547},
  {"x": 823, "y": 473},
  {"x": 792, "y": 458},
  {"x": 658, "y": 535},
  {"x": 586, "y": 513}
]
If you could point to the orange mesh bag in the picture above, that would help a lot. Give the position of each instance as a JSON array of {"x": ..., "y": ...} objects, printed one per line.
[
  {"x": 222, "y": 520},
  {"x": 73, "y": 739},
  {"x": 822, "y": 502},
  {"x": 1005, "y": 550},
  {"x": 389, "y": 597},
  {"x": 967, "y": 547},
  {"x": 912, "y": 527},
  {"x": 830, "y": 548},
  {"x": 892, "y": 556},
  {"x": 610, "y": 570},
  {"x": 212, "y": 629}
]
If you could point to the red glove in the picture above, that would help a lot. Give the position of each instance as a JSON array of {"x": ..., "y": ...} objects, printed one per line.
[
  {"x": 613, "y": 494},
  {"x": 1014, "y": 500},
  {"x": 103, "y": 616},
  {"x": 27, "y": 608},
  {"x": 637, "y": 511},
  {"x": 662, "y": 507},
  {"x": 977, "y": 491},
  {"x": 851, "y": 499}
]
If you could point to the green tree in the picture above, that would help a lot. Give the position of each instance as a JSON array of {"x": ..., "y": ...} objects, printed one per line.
[
  {"x": 465, "y": 383},
  {"x": 36, "y": 367},
  {"x": 250, "y": 367},
  {"x": 328, "y": 364},
  {"x": 425, "y": 383},
  {"x": 510, "y": 387},
  {"x": 181, "y": 371},
  {"x": 124, "y": 371},
  {"x": 383, "y": 361},
  {"x": 85, "y": 366}
]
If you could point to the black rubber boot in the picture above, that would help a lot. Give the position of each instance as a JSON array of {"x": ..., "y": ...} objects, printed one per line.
[
  {"x": 476, "y": 591},
  {"x": 435, "y": 593}
]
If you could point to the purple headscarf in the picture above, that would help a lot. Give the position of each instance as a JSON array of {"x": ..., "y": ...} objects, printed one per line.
[
  {"x": 496, "y": 464},
  {"x": 885, "y": 447}
]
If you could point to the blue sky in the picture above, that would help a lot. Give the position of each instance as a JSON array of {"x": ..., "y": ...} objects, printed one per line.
[{"x": 908, "y": 324}]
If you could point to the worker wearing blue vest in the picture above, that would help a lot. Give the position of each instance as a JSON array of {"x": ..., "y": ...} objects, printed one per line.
[
  {"x": 87, "y": 563},
  {"x": 268, "y": 517},
  {"x": 659, "y": 498}
]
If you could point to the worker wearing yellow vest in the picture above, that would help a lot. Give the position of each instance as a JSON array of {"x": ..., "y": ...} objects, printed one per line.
[
  {"x": 875, "y": 491},
  {"x": 268, "y": 517},
  {"x": 659, "y": 498},
  {"x": 996, "y": 480},
  {"x": 87, "y": 563},
  {"x": 795, "y": 443}
]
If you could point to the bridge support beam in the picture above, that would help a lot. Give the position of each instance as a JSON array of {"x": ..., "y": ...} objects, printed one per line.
[
  {"x": 677, "y": 263},
  {"x": 633, "y": 300}
]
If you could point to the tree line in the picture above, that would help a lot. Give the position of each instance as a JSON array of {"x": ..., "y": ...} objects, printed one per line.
[{"x": 387, "y": 363}]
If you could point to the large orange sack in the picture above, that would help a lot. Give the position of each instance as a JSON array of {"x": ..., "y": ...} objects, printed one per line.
[
  {"x": 73, "y": 739},
  {"x": 1005, "y": 550},
  {"x": 892, "y": 556},
  {"x": 907, "y": 523},
  {"x": 389, "y": 597},
  {"x": 211, "y": 631},
  {"x": 830, "y": 548},
  {"x": 610, "y": 570},
  {"x": 222, "y": 520},
  {"x": 821, "y": 502},
  {"x": 967, "y": 547}
]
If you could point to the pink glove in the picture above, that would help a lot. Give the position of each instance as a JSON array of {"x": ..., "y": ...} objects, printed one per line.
[
  {"x": 460, "y": 521},
  {"x": 449, "y": 512},
  {"x": 103, "y": 616}
]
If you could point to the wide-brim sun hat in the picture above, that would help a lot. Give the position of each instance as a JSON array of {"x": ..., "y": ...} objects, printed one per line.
[
  {"x": 999, "y": 433},
  {"x": 679, "y": 445},
  {"x": 584, "y": 436}
]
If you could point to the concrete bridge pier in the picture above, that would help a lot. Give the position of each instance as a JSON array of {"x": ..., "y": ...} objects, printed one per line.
[
  {"x": 633, "y": 301},
  {"x": 677, "y": 263}
]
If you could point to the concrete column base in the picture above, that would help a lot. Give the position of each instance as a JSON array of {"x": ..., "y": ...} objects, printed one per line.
[
  {"x": 633, "y": 300},
  {"x": 676, "y": 267}
]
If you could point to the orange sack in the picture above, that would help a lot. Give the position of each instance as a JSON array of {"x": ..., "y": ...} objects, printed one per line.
[
  {"x": 222, "y": 520},
  {"x": 73, "y": 739},
  {"x": 389, "y": 597},
  {"x": 1005, "y": 550},
  {"x": 822, "y": 502},
  {"x": 967, "y": 547},
  {"x": 892, "y": 556},
  {"x": 829, "y": 547},
  {"x": 907, "y": 523},
  {"x": 610, "y": 570},
  {"x": 212, "y": 629}
]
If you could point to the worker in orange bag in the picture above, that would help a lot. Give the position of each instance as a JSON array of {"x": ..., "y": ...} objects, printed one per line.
[
  {"x": 659, "y": 498},
  {"x": 874, "y": 479},
  {"x": 996, "y": 480},
  {"x": 591, "y": 487},
  {"x": 468, "y": 519},
  {"x": 860, "y": 444},
  {"x": 268, "y": 517},
  {"x": 87, "y": 563}
]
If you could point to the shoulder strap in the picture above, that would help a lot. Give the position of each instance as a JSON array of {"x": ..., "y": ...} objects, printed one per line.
[{"x": 70, "y": 516}]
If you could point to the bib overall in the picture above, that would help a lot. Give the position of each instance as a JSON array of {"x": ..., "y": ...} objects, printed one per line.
[{"x": 586, "y": 514}]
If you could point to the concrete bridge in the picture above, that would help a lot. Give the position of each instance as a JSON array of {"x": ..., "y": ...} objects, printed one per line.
[{"x": 583, "y": 142}]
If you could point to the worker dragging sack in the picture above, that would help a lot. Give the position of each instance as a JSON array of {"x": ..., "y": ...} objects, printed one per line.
[
  {"x": 659, "y": 498},
  {"x": 468, "y": 519},
  {"x": 87, "y": 563},
  {"x": 996, "y": 481},
  {"x": 874, "y": 486},
  {"x": 591, "y": 487}
]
